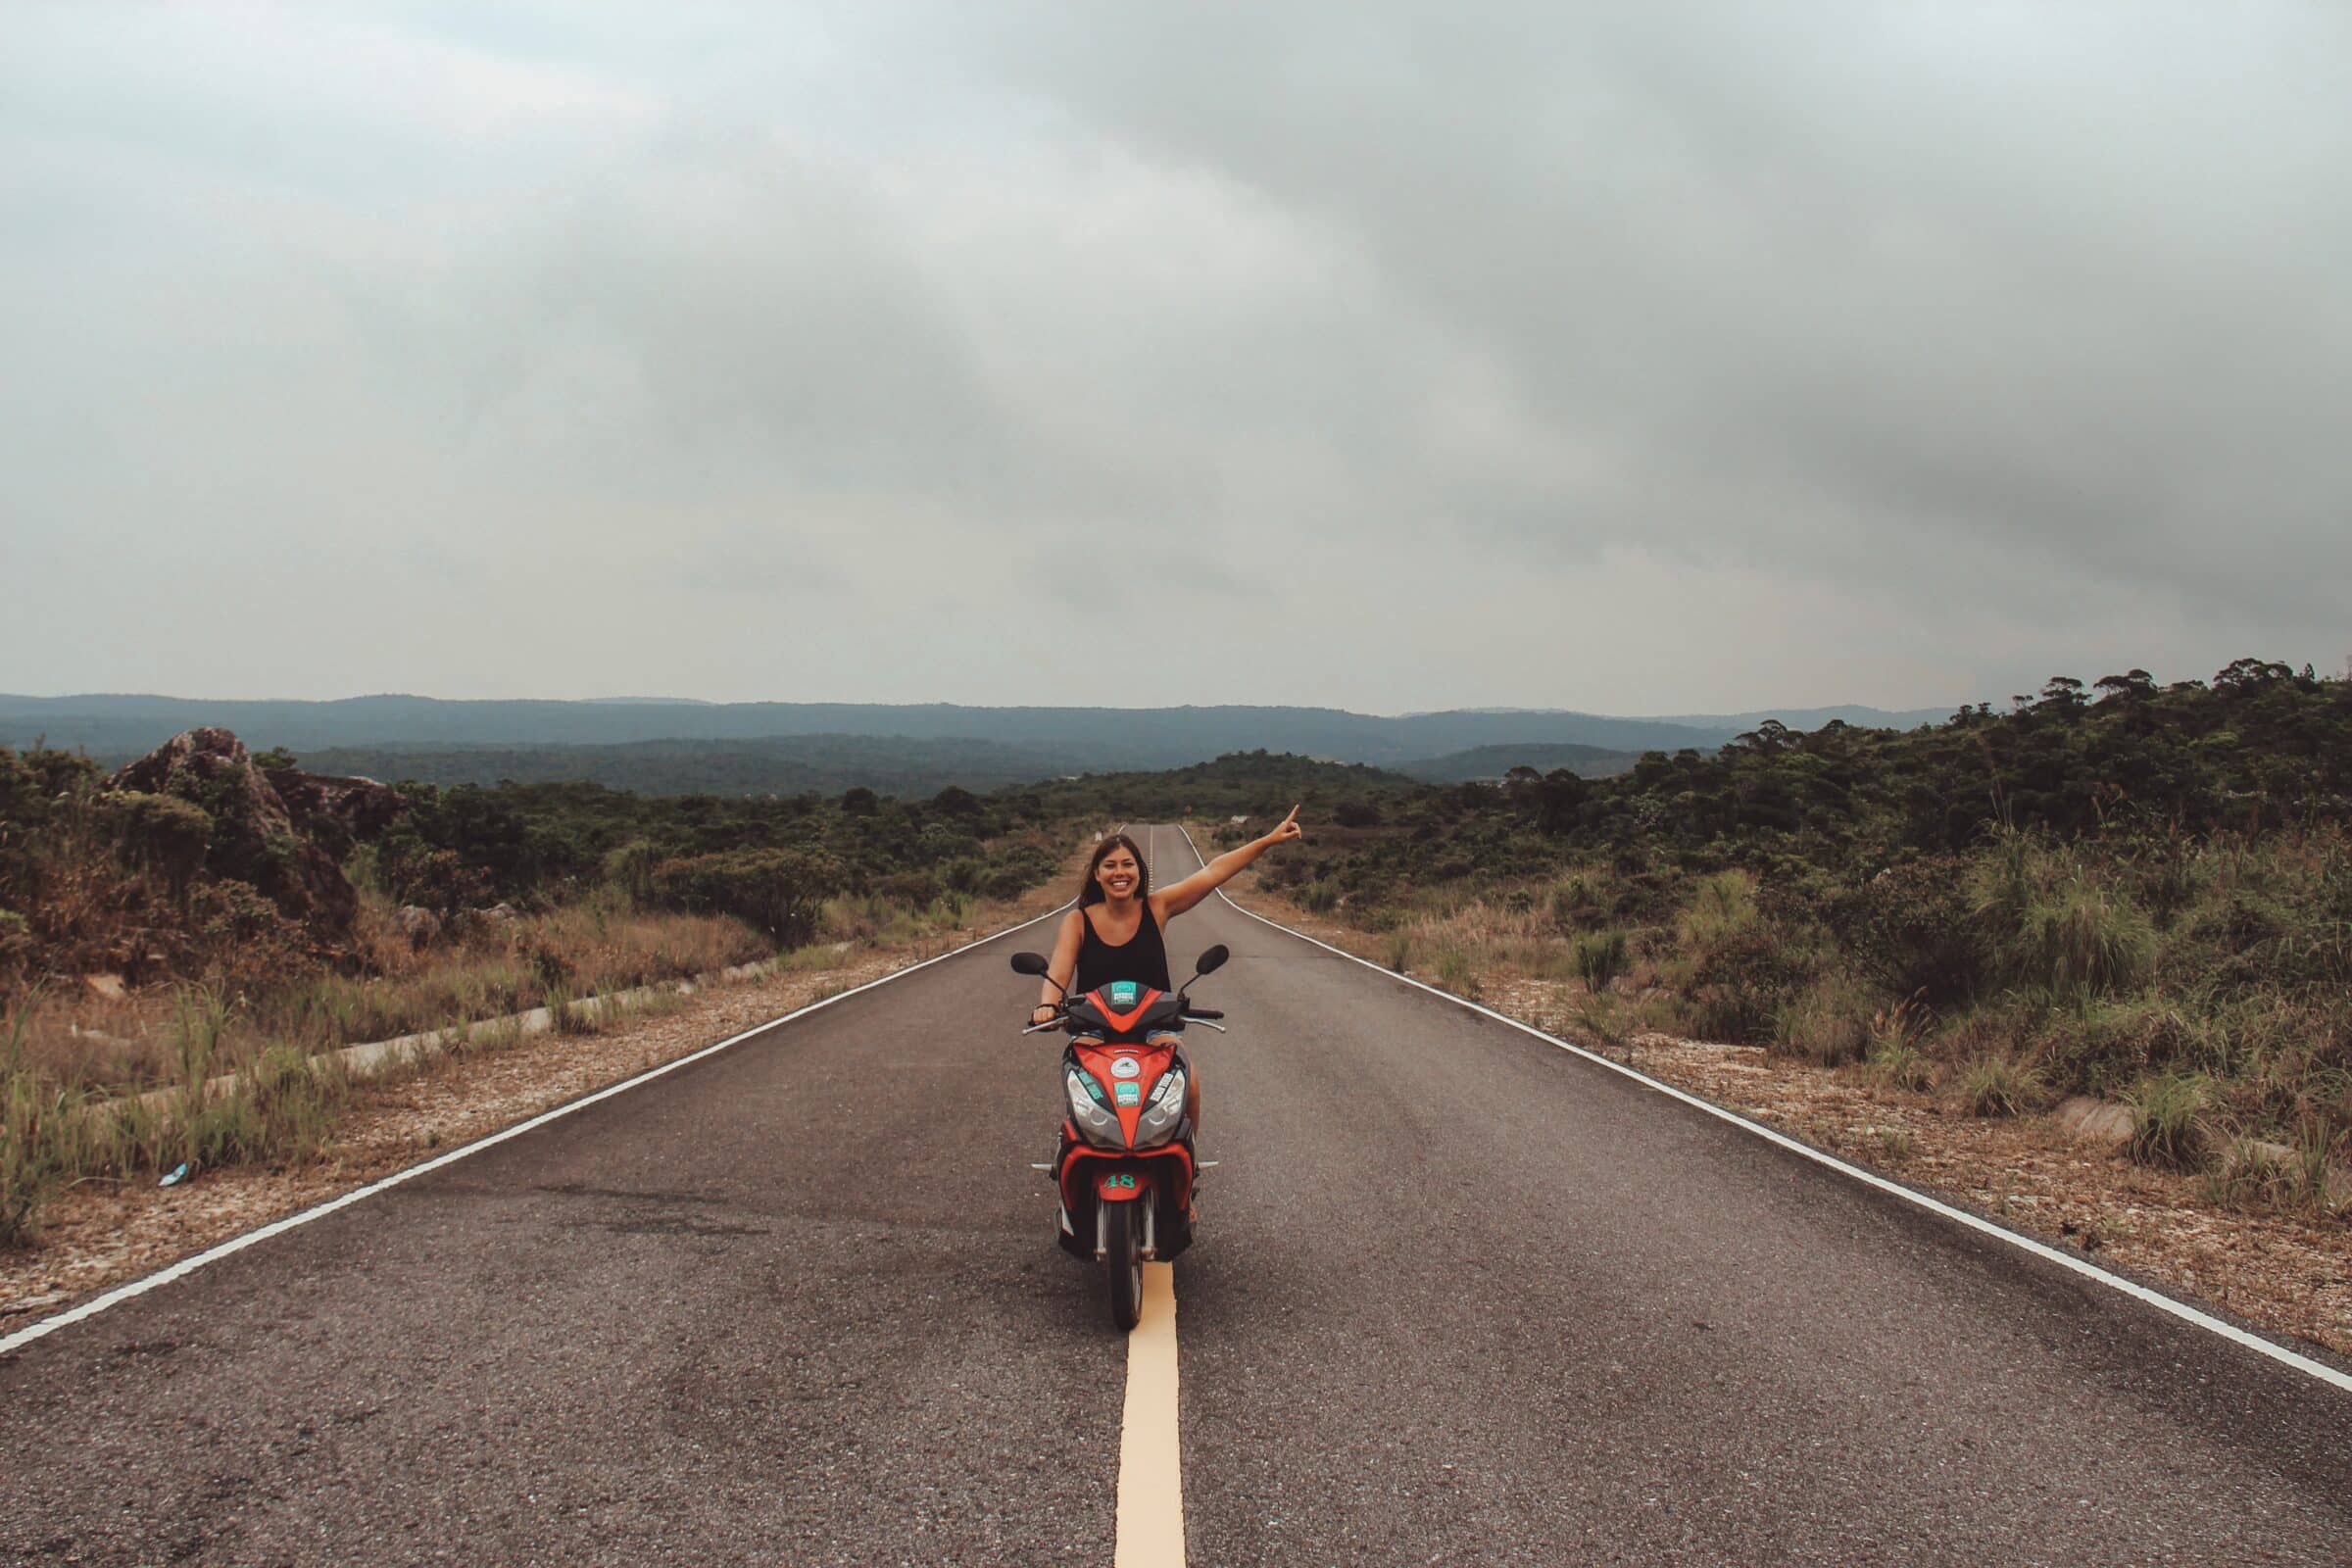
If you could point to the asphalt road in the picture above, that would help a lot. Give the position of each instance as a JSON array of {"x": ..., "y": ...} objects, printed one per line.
[{"x": 1459, "y": 1297}]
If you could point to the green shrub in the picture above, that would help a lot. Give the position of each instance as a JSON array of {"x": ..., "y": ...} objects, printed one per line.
[
  {"x": 160, "y": 833},
  {"x": 1601, "y": 957},
  {"x": 630, "y": 869},
  {"x": 1915, "y": 931},
  {"x": 1583, "y": 898},
  {"x": 779, "y": 893},
  {"x": 2168, "y": 1125},
  {"x": 1995, "y": 1086},
  {"x": 1895, "y": 1061},
  {"x": 1455, "y": 972},
  {"x": 30, "y": 1168},
  {"x": 1722, "y": 912},
  {"x": 2079, "y": 940},
  {"x": 1827, "y": 1022},
  {"x": 2100, "y": 1045},
  {"x": 1735, "y": 986}
]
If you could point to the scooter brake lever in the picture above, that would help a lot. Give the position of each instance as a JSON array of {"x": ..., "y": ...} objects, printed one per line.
[{"x": 1206, "y": 1024}]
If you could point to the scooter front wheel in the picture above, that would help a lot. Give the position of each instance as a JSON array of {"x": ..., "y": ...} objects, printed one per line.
[{"x": 1123, "y": 1257}]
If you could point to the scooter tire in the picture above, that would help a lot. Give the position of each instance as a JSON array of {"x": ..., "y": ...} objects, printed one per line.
[{"x": 1123, "y": 1236}]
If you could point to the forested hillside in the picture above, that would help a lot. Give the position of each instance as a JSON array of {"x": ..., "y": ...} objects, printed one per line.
[
  {"x": 2123, "y": 888},
  {"x": 785, "y": 765}
]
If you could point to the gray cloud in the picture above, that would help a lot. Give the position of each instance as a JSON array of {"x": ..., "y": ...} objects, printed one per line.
[{"x": 1621, "y": 357}]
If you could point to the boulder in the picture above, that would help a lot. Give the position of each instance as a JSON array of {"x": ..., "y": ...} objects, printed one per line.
[
  {"x": 420, "y": 926},
  {"x": 355, "y": 809},
  {"x": 2098, "y": 1121},
  {"x": 254, "y": 839}
]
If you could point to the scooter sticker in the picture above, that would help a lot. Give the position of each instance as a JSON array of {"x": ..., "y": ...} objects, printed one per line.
[
  {"x": 1130, "y": 1093},
  {"x": 1125, "y": 1067},
  {"x": 1123, "y": 994}
]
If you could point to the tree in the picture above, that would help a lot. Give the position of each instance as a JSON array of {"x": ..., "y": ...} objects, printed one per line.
[
  {"x": 955, "y": 801},
  {"x": 2062, "y": 695},
  {"x": 2248, "y": 675}
]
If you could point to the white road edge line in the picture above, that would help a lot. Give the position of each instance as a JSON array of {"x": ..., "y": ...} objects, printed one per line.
[
  {"x": 238, "y": 1243},
  {"x": 2042, "y": 1250}
]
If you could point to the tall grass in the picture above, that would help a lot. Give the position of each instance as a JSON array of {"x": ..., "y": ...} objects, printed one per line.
[
  {"x": 2168, "y": 1126},
  {"x": 1721, "y": 910},
  {"x": 598, "y": 946},
  {"x": 2080, "y": 941},
  {"x": 1600, "y": 958}
]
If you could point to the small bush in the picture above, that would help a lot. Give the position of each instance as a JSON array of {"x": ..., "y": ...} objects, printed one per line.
[
  {"x": 1455, "y": 972},
  {"x": 1399, "y": 949},
  {"x": 2082, "y": 942},
  {"x": 1722, "y": 912},
  {"x": 1914, "y": 931},
  {"x": 1827, "y": 1022},
  {"x": 2299, "y": 1177},
  {"x": 29, "y": 1169},
  {"x": 1607, "y": 1022},
  {"x": 2167, "y": 1120},
  {"x": 1995, "y": 1086},
  {"x": 778, "y": 892},
  {"x": 1601, "y": 957},
  {"x": 1583, "y": 898},
  {"x": 2101, "y": 1044}
]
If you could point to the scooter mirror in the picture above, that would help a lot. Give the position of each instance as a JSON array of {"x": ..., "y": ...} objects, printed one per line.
[
  {"x": 1028, "y": 963},
  {"x": 1215, "y": 959}
]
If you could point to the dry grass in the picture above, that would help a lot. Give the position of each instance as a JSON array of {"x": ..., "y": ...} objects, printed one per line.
[{"x": 114, "y": 1044}]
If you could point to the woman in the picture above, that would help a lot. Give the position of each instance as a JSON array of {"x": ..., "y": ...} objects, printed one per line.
[{"x": 1114, "y": 932}]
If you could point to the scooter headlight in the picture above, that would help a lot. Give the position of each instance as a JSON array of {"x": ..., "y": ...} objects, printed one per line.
[
  {"x": 1162, "y": 1111},
  {"x": 1086, "y": 1102}
]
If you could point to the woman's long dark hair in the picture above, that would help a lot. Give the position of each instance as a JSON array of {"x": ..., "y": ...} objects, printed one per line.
[{"x": 1090, "y": 891}]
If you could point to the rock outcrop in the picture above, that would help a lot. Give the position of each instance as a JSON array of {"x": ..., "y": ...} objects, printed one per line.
[
  {"x": 258, "y": 834},
  {"x": 322, "y": 804}
]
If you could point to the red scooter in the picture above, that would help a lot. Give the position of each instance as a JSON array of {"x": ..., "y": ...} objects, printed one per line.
[{"x": 1125, "y": 1162}]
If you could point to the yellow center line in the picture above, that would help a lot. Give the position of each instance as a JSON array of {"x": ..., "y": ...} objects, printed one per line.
[{"x": 1150, "y": 1527}]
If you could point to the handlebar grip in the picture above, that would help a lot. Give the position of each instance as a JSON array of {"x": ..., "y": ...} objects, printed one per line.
[{"x": 1203, "y": 1012}]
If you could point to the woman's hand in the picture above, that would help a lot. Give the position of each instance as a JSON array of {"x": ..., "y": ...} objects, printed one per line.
[
  {"x": 1044, "y": 1013},
  {"x": 1288, "y": 830}
]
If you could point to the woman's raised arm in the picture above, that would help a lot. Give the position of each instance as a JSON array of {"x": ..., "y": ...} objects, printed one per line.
[{"x": 1171, "y": 902}]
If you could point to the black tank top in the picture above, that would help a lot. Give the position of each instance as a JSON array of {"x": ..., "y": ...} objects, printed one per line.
[{"x": 1142, "y": 957}]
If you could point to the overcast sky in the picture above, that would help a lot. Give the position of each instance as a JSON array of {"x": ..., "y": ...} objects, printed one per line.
[{"x": 1634, "y": 358}]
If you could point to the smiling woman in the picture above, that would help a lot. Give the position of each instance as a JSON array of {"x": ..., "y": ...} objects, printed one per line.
[{"x": 1114, "y": 932}]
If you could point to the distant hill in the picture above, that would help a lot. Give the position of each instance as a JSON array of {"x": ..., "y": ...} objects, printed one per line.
[
  {"x": 1494, "y": 761},
  {"x": 788, "y": 764},
  {"x": 1809, "y": 719},
  {"x": 115, "y": 729}
]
